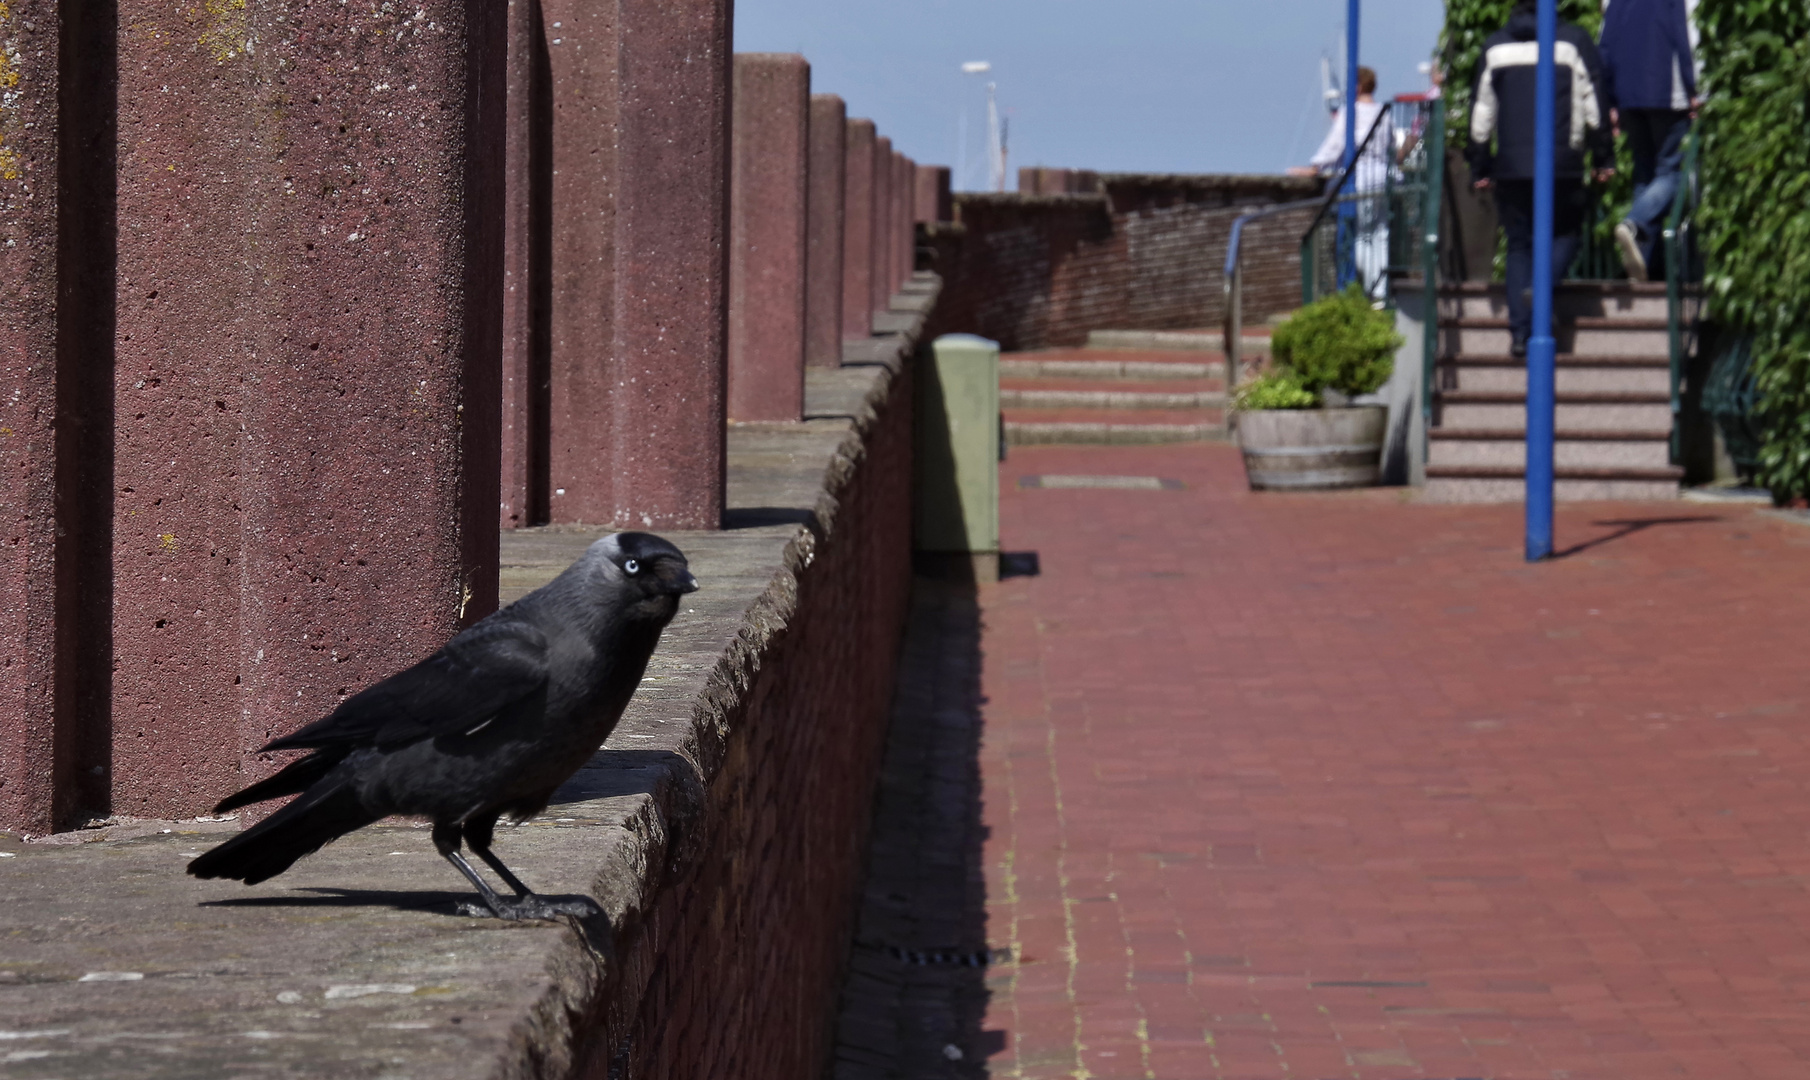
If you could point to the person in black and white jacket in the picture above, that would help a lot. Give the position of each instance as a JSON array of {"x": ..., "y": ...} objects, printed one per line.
[{"x": 1502, "y": 111}]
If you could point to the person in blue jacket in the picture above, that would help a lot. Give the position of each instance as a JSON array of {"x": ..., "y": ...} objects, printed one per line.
[{"x": 1652, "y": 89}]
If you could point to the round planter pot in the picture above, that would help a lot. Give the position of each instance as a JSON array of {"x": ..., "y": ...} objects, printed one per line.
[{"x": 1301, "y": 449}]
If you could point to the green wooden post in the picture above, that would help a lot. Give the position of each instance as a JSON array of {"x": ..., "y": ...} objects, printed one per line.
[{"x": 957, "y": 509}]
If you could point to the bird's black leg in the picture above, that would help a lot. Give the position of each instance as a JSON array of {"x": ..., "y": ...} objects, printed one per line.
[
  {"x": 526, "y": 905},
  {"x": 478, "y": 833},
  {"x": 446, "y": 842}
]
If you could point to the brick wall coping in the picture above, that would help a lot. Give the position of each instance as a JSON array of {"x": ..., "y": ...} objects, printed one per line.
[
  {"x": 117, "y": 964},
  {"x": 1239, "y": 183},
  {"x": 1269, "y": 185}
]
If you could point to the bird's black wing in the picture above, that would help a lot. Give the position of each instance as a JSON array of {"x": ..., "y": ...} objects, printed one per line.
[{"x": 483, "y": 671}]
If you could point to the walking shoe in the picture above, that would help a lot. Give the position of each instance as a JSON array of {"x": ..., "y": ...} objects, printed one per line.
[
  {"x": 1627, "y": 243},
  {"x": 1517, "y": 344}
]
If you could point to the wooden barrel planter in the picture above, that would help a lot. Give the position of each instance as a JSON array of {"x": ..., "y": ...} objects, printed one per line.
[{"x": 1306, "y": 449}]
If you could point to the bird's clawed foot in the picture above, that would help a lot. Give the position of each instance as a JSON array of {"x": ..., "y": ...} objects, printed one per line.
[{"x": 531, "y": 906}]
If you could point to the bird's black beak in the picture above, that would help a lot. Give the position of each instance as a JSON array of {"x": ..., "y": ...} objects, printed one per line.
[{"x": 682, "y": 583}]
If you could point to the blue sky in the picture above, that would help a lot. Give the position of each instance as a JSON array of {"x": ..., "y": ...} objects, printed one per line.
[{"x": 1124, "y": 85}]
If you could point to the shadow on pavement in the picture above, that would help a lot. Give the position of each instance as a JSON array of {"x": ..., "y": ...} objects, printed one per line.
[
  {"x": 916, "y": 992},
  {"x": 1628, "y": 527},
  {"x": 445, "y": 901}
]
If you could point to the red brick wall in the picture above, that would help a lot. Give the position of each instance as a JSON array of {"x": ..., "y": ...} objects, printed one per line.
[
  {"x": 1148, "y": 253},
  {"x": 738, "y": 962}
]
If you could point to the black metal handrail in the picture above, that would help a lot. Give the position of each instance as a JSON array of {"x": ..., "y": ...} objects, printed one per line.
[{"x": 1337, "y": 187}]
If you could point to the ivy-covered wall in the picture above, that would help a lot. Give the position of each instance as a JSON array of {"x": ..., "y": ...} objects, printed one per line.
[{"x": 1755, "y": 217}]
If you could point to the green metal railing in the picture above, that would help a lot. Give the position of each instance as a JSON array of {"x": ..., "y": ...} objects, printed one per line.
[{"x": 1683, "y": 307}]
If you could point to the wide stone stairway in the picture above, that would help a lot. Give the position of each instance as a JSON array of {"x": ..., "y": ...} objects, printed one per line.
[
  {"x": 1124, "y": 387},
  {"x": 1614, "y": 417}
]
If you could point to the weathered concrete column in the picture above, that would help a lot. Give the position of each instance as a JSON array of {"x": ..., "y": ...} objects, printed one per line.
[
  {"x": 640, "y": 148},
  {"x": 309, "y": 296},
  {"x": 880, "y": 279},
  {"x": 527, "y": 229},
  {"x": 823, "y": 259},
  {"x": 56, "y": 327},
  {"x": 858, "y": 232},
  {"x": 768, "y": 210},
  {"x": 934, "y": 201},
  {"x": 904, "y": 194}
]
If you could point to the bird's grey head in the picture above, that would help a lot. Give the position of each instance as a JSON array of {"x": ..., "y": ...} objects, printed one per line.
[{"x": 652, "y": 572}]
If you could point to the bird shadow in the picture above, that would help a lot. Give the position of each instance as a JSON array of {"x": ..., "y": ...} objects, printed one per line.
[
  {"x": 1625, "y": 527},
  {"x": 441, "y": 900},
  {"x": 594, "y": 928}
]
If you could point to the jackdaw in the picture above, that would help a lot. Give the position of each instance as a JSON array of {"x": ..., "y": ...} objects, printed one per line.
[{"x": 490, "y": 725}]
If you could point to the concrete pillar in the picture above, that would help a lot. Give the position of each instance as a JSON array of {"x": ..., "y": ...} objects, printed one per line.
[
  {"x": 305, "y": 376},
  {"x": 934, "y": 200},
  {"x": 858, "y": 232},
  {"x": 527, "y": 236},
  {"x": 823, "y": 260},
  {"x": 768, "y": 208},
  {"x": 56, "y": 304},
  {"x": 880, "y": 279},
  {"x": 904, "y": 194},
  {"x": 640, "y": 147}
]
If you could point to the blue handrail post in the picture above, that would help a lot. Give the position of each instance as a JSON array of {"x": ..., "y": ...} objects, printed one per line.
[
  {"x": 1541, "y": 348},
  {"x": 1346, "y": 248}
]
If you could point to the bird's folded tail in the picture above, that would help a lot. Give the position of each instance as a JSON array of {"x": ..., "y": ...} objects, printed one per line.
[
  {"x": 274, "y": 844},
  {"x": 299, "y": 776}
]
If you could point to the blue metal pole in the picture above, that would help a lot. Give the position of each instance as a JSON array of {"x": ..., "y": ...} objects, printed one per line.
[
  {"x": 1347, "y": 243},
  {"x": 1351, "y": 80},
  {"x": 1540, "y": 345}
]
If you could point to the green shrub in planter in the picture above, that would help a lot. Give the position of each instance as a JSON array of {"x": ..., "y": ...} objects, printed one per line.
[
  {"x": 1275, "y": 390},
  {"x": 1338, "y": 342}
]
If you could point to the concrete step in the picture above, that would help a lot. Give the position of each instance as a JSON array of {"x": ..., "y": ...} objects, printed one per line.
[
  {"x": 1031, "y": 366},
  {"x": 1582, "y": 336},
  {"x": 1026, "y": 433},
  {"x": 1580, "y": 450},
  {"x": 1116, "y": 426},
  {"x": 1039, "y": 398},
  {"x": 1570, "y": 299},
  {"x": 1250, "y": 342},
  {"x": 1574, "y": 373},
  {"x": 1209, "y": 383},
  {"x": 1576, "y": 410},
  {"x": 1507, "y": 483}
]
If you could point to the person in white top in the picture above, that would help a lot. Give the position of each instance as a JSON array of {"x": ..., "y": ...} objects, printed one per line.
[{"x": 1371, "y": 175}]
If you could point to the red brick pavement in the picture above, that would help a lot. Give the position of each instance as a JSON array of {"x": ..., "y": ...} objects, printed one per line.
[{"x": 1336, "y": 786}]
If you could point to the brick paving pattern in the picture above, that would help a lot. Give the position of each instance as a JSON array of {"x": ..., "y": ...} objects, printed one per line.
[{"x": 1334, "y": 785}]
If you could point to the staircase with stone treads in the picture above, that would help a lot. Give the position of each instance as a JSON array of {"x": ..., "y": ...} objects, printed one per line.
[
  {"x": 1125, "y": 387},
  {"x": 1613, "y": 386}
]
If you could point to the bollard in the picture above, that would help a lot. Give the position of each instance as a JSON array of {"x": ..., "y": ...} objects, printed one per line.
[{"x": 957, "y": 507}]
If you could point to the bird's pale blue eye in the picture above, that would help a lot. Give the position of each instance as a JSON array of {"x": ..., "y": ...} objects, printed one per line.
[{"x": 631, "y": 566}]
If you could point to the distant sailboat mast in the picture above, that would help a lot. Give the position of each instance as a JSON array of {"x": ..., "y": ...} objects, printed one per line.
[{"x": 996, "y": 143}]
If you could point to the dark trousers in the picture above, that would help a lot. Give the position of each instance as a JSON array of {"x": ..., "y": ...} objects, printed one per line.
[
  {"x": 1514, "y": 208},
  {"x": 1656, "y": 140}
]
